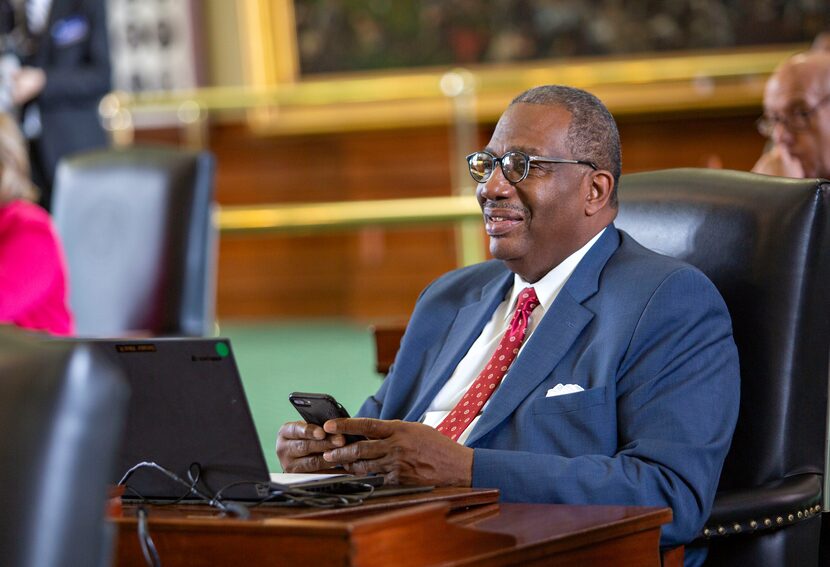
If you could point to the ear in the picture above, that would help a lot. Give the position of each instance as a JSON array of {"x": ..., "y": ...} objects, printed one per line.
[{"x": 601, "y": 186}]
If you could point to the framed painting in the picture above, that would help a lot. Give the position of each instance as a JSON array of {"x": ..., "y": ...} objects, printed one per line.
[{"x": 391, "y": 63}]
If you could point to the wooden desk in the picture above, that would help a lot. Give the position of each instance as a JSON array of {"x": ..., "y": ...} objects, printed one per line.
[{"x": 447, "y": 526}]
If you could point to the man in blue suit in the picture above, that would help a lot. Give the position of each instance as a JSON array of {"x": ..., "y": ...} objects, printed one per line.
[{"x": 625, "y": 387}]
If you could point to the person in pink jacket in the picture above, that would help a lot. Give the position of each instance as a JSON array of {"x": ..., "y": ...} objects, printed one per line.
[{"x": 33, "y": 275}]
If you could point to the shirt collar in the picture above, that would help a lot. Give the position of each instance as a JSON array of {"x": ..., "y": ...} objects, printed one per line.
[{"x": 551, "y": 283}]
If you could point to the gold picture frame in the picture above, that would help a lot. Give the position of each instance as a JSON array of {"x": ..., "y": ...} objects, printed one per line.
[{"x": 728, "y": 80}]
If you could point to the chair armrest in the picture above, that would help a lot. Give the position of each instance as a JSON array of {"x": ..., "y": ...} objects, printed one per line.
[{"x": 766, "y": 507}]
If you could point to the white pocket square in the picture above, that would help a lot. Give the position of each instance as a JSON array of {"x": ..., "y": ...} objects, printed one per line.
[{"x": 562, "y": 389}]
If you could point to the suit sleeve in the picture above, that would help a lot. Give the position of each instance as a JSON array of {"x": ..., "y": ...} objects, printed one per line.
[
  {"x": 373, "y": 406},
  {"x": 91, "y": 79},
  {"x": 677, "y": 404}
]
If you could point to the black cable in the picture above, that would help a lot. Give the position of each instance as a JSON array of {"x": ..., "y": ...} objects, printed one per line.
[
  {"x": 145, "y": 500},
  {"x": 192, "y": 488},
  {"x": 298, "y": 496},
  {"x": 148, "y": 548},
  {"x": 278, "y": 495},
  {"x": 288, "y": 495}
]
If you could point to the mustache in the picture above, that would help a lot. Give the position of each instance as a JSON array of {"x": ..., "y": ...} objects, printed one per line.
[{"x": 496, "y": 205}]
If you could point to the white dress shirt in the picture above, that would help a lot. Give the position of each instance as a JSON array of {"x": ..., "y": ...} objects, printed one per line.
[
  {"x": 37, "y": 15},
  {"x": 482, "y": 349}
]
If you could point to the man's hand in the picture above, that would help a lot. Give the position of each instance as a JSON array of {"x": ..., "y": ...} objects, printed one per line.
[
  {"x": 404, "y": 452},
  {"x": 778, "y": 161},
  {"x": 300, "y": 447},
  {"x": 28, "y": 82}
]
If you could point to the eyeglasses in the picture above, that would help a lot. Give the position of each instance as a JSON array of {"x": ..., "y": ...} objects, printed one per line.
[
  {"x": 514, "y": 165},
  {"x": 794, "y": 121}
]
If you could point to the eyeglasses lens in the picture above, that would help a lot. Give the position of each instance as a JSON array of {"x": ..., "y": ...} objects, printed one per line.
[
  {"x": 481, "y": 166},
  {"x": 514, "y": 165}
]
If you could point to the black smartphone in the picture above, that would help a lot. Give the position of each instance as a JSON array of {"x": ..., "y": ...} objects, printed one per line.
[{"x": 319, "y": 408}]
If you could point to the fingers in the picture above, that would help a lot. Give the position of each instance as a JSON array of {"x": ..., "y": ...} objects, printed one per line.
[
  {"x": 301, "y": 430},
  {"x": 308, "y": 464},
  {"x": 384, "y": 466},
  {"x": 371, "y": 428},
  {"x": 300, "y": 446},
  {"x": 296, "y": 448},
  {"x": 309, "y": 431},
  {"x": 410, "y": 453},
  {"x": 359, "y": 450}
]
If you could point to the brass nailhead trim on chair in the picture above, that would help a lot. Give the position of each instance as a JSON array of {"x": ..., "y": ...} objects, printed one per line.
[{"x": 737, "y": 527}]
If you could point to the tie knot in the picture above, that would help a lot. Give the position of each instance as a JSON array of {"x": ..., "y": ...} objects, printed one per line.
[{"x": 527, "y": 300}]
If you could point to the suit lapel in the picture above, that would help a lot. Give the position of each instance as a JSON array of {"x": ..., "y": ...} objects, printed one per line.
[
  {"x": 465, "y": 329},
  {"x": 552, "y": 339}
]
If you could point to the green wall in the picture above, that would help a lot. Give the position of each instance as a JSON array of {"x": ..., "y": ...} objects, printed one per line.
[{"x": 276, "y": 359}]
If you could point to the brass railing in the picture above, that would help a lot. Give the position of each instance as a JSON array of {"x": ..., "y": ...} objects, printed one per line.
[
  {"x": 632, "y": 85},
  {"x": 730, "y": 80},
  {"x": 315, "y": 217},
  {"x": 310, "y": 218}
]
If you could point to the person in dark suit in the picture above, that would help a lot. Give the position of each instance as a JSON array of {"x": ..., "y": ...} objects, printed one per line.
[
  {"x": 624, "y": 388},
  {"x": 64, "y": 74}
]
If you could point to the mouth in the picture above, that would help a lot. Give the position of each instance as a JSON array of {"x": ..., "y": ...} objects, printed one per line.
[{"x": 499, "y": 221}]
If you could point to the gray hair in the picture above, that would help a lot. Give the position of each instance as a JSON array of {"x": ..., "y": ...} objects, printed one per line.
[{"x": 592, "y": 134}]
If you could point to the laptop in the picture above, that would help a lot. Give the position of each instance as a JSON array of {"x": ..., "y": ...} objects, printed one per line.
[{"x": 187, "y": 413}]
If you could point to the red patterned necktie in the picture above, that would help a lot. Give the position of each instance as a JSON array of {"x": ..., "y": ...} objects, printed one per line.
[{"x": 485, "y": 384}]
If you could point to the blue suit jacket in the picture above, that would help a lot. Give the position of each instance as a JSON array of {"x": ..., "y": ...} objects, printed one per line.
[{"x": 649, "y": 339}]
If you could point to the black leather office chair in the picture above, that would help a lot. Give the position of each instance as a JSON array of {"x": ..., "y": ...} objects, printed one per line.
[
  {"x": 141, "y": 246},
  {"x": 62, "y": 409},
  {"x": 765, "y": 243}
]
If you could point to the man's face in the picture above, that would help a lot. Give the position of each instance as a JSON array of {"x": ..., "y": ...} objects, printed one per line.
[
  {"x": 535, "y": 224},
  {"x": 798, "y": 90}
]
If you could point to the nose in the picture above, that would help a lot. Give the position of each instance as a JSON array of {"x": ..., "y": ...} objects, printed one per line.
[
  {"x": 781, "y": 134},
  {"x": 495, "y": 188}
]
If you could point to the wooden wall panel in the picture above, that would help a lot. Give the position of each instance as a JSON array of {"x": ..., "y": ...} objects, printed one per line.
[
  {"x": 268, "y": 275},
  {"x": 696, "y": 140},
  {"x": 375, "y": 274}
]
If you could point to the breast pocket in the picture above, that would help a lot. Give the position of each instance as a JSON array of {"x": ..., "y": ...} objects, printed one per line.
[
  {"x": 569, "y": 402},
  {"x": 575, "y": 424}
]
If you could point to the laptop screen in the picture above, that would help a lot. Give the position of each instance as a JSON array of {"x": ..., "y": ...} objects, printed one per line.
[{"x": 187, "y": 412}]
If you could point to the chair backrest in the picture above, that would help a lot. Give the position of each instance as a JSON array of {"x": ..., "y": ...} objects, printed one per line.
[
  {"x": 387, "y": 338},
  {"x": 137, "y": 228},
  {"x": 765, "y": 243},
  {"x": 62, "y": 410}
]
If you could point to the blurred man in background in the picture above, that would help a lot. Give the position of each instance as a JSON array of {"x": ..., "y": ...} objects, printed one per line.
[
  {"x": 64, "y": 71},
  {"x": 797, "y": 117}
]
